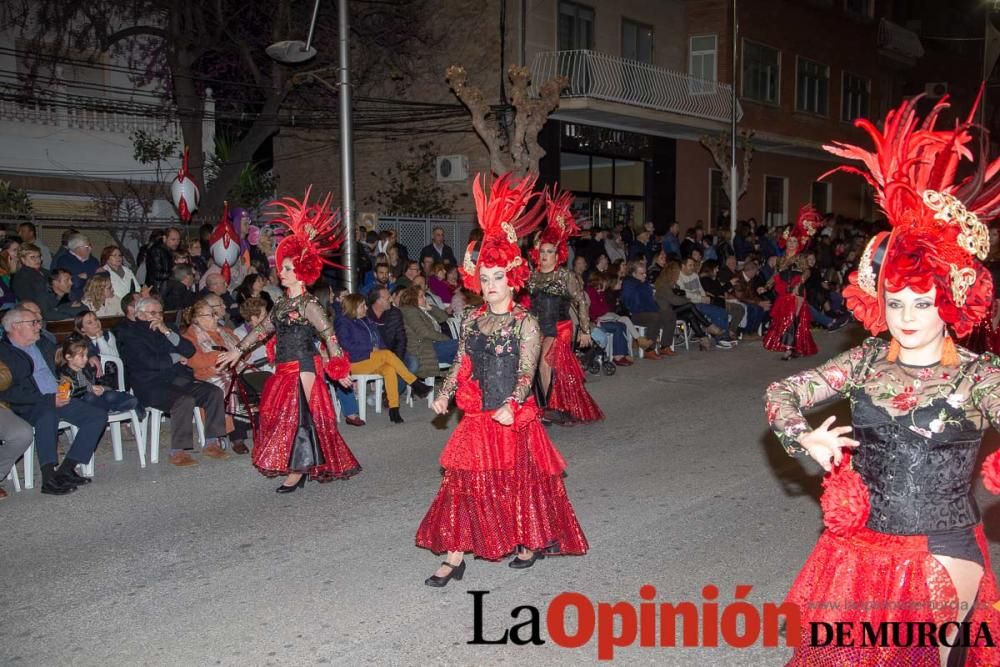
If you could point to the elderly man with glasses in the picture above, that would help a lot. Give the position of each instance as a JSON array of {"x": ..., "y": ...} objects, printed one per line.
[
  {"x": 79, "y": 262},
  {"x": 34, "y": 396},
  {"x": 156, "y": 363}
]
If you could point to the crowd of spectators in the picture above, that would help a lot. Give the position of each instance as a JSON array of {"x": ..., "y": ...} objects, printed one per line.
[{"x": 168, "y": 318}]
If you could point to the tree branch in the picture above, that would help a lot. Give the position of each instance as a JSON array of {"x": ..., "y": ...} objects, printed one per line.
[
  {"x": 108, "y": 41},
  {"x": 472, "y": 98}
]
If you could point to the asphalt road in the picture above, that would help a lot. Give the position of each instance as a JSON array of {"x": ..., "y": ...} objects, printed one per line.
[{"x": 681, "y": 487}]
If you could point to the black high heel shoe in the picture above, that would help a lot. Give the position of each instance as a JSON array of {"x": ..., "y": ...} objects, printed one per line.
[
  {"x": 524, "y": 563},
  {"x": 394, "y": 416},
  {"x": 289, "y": 489},
  {"x": 419, "y": 389},
  {"x": 456, "y": 573}
]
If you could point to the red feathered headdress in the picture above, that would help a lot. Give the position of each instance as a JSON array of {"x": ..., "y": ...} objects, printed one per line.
[
  {"x": 805, "y": 227},
  {"x": 512, "y": 210},
  {"x": 938, "y": 236},
  {"x": 314, "y": 231},
  {"x": 560, "y": 226}
]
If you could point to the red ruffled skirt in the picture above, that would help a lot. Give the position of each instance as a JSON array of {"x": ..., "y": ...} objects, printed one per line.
[
  {"x": 875, "y": 577},
  {"x": 568, "y": 393},
  {"x": 280, "y": 421},
  {"x": 781, "y": 336},
  {"x": 502, "y": 487}
]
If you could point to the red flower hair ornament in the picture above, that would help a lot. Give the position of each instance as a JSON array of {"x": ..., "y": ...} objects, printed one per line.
[
  {"x": 314, "y": 231},
  {"x": 845, "y": 501},
  {"x": 939, "y": 236},
  {"x": 511, "y": 210},
  {"x": 808, "y": 222},
  {"x": 560, "y": 226},
  {"x": 991, "y": 473}
]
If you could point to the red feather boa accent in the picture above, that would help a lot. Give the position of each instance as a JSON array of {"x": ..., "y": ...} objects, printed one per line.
[
  {"x": 271, "y": 344},
  {"x": 339, "y": 367},
  {"x": 845, "y": 501},
  {"x": 991, "y": 472}
]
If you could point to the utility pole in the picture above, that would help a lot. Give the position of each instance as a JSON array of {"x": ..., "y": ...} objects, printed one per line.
[
  {"x": 733, "y": 187},
  {"x": 346, "y": 145}
]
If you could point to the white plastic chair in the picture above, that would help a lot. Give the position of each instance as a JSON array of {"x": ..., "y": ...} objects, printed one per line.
[
  {"x": 115, "y": 420},
  {"x": 29, "y": 460},
  {"x": 642, "y": 334},
  {"x": 430, "y": 383},
  {"x": 362, "y": 393},
  {"x": 682, "y": 330},
  {"x": 154, "y": 416}
]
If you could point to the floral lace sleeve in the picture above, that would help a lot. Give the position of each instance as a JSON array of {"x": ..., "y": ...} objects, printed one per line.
[
  {"x": 450, "y": 383},
  {"x": 786, "y": 399},
  {"x": 530, "y": 339},
  {"x": 316, "y": 316},
  {"x": 985, "y": 392},
  {"x": 257, "y": 335},
  {"x": 579, "y": 300}
]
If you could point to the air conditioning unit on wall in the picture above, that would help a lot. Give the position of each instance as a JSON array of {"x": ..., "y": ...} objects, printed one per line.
[
  {"x": 451, "y": 168},
  {"x": 936, "y": 89}
]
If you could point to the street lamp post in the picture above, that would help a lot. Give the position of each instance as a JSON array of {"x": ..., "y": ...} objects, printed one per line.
[{"x": 732, "y": 148}]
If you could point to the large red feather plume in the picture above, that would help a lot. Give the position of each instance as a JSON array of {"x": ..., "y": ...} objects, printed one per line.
[
  {"x": 314, "y": 232},
  {"x": 560, "y": 225}
]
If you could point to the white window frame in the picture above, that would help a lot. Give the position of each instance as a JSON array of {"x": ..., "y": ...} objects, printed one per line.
[
  {"x": 777, "y": 101},
  {"x": 864, "y": 113},
  {"x": 798, "y": 64},
  {"x": 784, "y": 201},
  {"x": 698, "y": 85}
]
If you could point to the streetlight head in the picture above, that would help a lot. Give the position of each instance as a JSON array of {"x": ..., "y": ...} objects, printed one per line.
[{"x": 290, "y": 52}]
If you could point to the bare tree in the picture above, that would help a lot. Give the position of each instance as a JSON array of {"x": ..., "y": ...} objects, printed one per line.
[
  {"x": 720, "y": 147},
  {"x": 125, "y": 207},
  {"x": 513, "y": 145}
]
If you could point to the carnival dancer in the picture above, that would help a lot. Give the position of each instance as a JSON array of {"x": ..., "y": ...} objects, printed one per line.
[
  {"x": 791, "y": 319},
  {"x": 904, "y": 541},
  {"x": 502, "y": 490},
  {"x": 554, "y": 290},
  {"x": 297, "y": 435}
]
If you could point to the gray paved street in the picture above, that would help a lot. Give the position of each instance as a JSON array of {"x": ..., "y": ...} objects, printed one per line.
[{"x": 682, "y": 486}]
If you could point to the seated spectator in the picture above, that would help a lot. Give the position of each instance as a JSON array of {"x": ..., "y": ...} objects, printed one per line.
[
  {"x": 615, "y": 248},
  {"x": 199, "y": 261},
  {"x": 345, "y": 395},
  {"x": 99, "y": 342},
  {"x": 37, "y": 311},
  {"x": 74, "y": 365},
  {"x": 381, "y": 278},
  {"x": 17, "y": 433},
  {"x": 34, "y": 395},
  {"x": 644, "y": 246},
  {"x": 438, "y": 285},
  {"x": 254, "y": 311},
  {"x": 395, "y": 262},
  {"x": 721, "y": 294},
  {"x": 364, "y": 346},
  {"x": 728, "y": 270},
  {"x": 669, "y": 295},
  {"x": 253, "y": 287},
  {"x": 56, "y": 303},
  {"x": 99, "y": 296},
  {"x": 123, "y": 281},
  {"x": 756, "y": 305},
  {"x": 178, "y": 293},
  {"x": 79, "y": 262},
  {"x": 426, "y": 345},
  {"x": 411, "y": 272},
  {"x": 388, "y": 321},
  {"x": 29, "y": 234},
  {"x": 155, "y": 359},
  {"x": 9, "y": 264},
  {"x": 637, "y": 297},
  {"x": 690, "y": 284},
  {"x": 620, "y": 327},
  {"x": 439, "y": 251},
  {"x": 30, "y": 281},
  {"x": 223, "y": 303},
  {"x": 209, "y": 339}
]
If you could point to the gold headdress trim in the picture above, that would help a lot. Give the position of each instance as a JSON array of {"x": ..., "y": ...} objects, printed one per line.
[{"x": 974, "y": 237}]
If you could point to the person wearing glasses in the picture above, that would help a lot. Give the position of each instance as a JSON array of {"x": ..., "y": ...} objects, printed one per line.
[
  {"x": 34, "y": 395},
  {"x": 79, "y": 262},
  {"x": 156, "y": 359}
]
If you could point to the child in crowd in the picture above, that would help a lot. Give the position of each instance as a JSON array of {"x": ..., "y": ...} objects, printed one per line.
[{"x": 74, "y": 368}]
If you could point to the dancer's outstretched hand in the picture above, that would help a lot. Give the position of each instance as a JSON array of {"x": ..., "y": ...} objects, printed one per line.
[{"x": 825, "y": 445}]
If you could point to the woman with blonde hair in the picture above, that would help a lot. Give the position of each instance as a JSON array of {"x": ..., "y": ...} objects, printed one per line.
[
  {"x": 99, "y": 296},
  {"x": 368, "y": 354}
]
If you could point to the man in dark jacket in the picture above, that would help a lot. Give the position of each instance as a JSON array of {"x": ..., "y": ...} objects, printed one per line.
[
  {"x": 438, "y": 249},
  {"x": 637, "y": 296},
  {"x": 34, "y": 396},
  {"x": 155, "y": 358},
  {"x": 177, "y": 293},
  {"x": 79, "y": 262},
  {"x": 389, "y": 321},
  {"x": 160, "y": 259}
]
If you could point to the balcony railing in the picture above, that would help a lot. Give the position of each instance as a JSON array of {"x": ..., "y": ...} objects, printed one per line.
[
  {"x": 69, "y": 111},
  {"x": 603, "y": 77}
]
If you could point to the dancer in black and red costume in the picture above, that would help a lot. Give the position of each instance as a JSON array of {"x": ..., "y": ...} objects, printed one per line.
[
  {"x": 297, "y": 435},
  {"x": 791, "y": 319},
  {"x": 502, "y": 490},
  {"x": 904, "y": 541},
  {"x": 554, "y": 290}
]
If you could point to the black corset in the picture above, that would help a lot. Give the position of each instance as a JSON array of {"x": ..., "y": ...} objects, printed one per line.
[
  {"x": 296, "y": 341},
  {"x": 918, "y": 484},
  {"x": 549, "y": 309},
  {"x": 496, "y": 372}
]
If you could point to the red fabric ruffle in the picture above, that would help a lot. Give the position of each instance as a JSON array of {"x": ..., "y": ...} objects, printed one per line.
[
  {"x": 782, "y": 313},
  {"x": 878, "y": 578},
  {"x": 568, "y": 393},
  {"x": 279, "y": 419}
]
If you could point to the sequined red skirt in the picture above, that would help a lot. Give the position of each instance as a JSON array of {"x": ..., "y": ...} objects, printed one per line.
[
  {"x": 502, "y": 487},
  {"x": 781, "y": 337},
  {"x": 874, "y": 577},
  {"x": 279, "y": 422},
  {"x": 568, "y": 393}
]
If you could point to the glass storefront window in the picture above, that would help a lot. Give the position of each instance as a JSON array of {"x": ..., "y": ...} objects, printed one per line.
[
  {"x": 630, "y": 177},
  {"x": 574, "y": 172},
  {"x": 602, "y": 178},
  {"x": 608, "y": 191}
]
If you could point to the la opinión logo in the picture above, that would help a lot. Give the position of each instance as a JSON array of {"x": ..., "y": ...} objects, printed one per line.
[{"x": 619, "y": 624}]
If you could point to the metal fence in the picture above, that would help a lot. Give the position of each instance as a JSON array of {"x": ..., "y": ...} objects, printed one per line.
[
  {"x": 604, "y": 77},
  {"x": 414, "y": 232}
]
